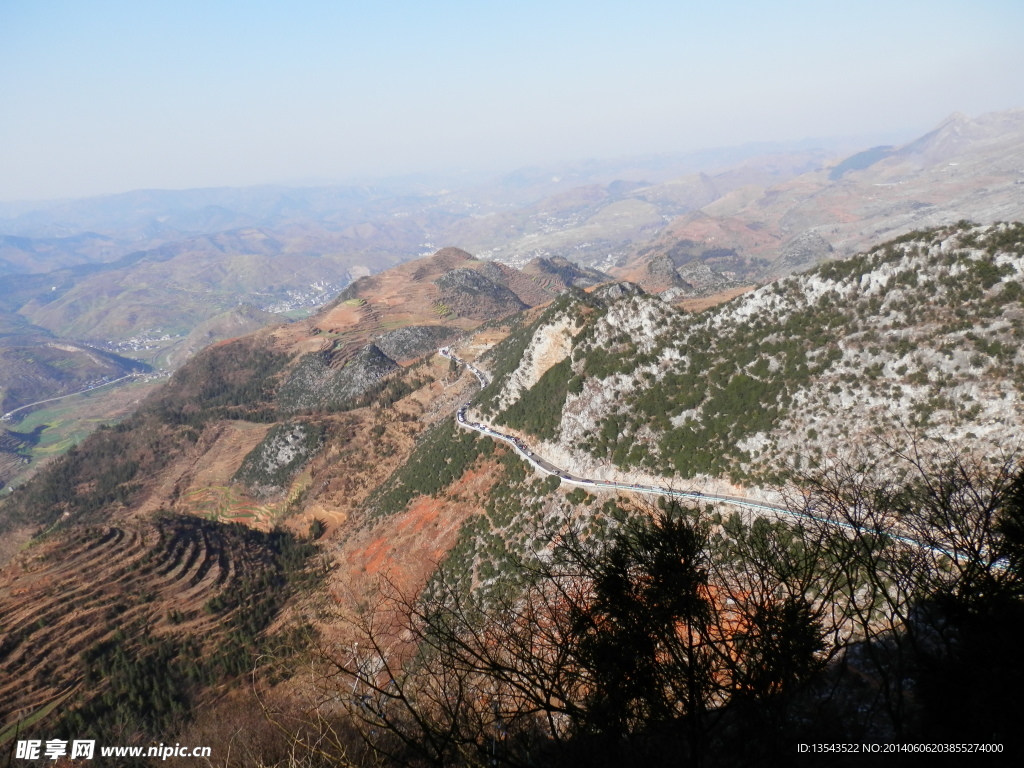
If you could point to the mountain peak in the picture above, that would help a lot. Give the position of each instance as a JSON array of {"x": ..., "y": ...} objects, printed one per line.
[
  {"x": 451, "y": 257},
  {"x": 957, "y": 118}
]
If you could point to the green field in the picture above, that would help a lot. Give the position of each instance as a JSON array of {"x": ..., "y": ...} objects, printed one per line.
[{"x": 67, "y": 422}]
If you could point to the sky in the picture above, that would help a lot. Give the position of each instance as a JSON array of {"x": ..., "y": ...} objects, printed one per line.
[{"x": 105, "y": 96}]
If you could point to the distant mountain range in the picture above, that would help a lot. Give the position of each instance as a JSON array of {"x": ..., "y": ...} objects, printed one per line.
[
  {"x": 121, "y": 265},
  {"x": 789, "y": 318},
  {"x": 341, "y": 425},
  {"x": 965, "y": 169},
  {"x": 154, "y": 275}
]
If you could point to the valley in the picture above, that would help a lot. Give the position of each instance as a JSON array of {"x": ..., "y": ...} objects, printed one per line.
[
  {"x": 777, "y": 475},
  {"x": 345, "y": 424}
]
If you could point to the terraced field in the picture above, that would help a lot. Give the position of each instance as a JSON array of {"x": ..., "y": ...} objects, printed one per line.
[
  {"x": 133, "y": 581},
  {"x": 225, "y": 503},
  {"x": 14, "y": 447}
]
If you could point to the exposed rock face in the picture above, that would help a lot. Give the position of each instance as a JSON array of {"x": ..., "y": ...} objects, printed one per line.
[
  {"x": 703, "y": 280},
  {"x": 470, "y": 294},
  {"x": 632, "y": 318},
  {"x": 919, "y": 337},
  {"x": 414, "y": 340},
  {"x": 617, "y": 291},
  {"x": 550, "y": 345},
  {"x": 542, "y": 279},
  {"x": 554, "y": 337},
  {"x": 684, "y": 274},
  {"x": 283, "y": 452},
  {"x": 804, "y": 251},
  {"x": 569, "y": 273},
  {"x": 315, "y": 385},
  {"x": 663, "y": 274}
]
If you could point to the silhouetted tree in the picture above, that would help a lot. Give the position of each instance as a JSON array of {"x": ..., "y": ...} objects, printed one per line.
[
  {"x": 615, "y": 653},
  {"x": 893, "y": 592}
]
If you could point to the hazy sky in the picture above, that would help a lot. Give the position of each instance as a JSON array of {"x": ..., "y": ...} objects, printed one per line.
[{"x": 101, "y": 96}]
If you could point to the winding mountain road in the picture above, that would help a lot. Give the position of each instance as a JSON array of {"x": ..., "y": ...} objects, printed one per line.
[{"x": 757, "y": 505}]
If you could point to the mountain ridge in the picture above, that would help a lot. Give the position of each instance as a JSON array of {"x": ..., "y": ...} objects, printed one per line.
[
  {"x": 258, "y": 499},
  {"x": 966, "y": 168}
]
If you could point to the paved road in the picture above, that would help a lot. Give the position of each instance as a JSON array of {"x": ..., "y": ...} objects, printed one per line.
[
  {"x": 7, "y": 416},
  {"x": 524, "y": 450},
  {"x": 547, "y": 467}
]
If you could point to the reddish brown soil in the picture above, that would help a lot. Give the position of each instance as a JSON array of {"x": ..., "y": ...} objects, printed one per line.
[
  {"x": 706, "y": 302},
  {"x": 60, "y": 597}
]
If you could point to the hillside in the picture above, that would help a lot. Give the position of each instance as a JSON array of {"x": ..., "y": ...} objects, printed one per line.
[
  {"x": 964, "y": 169},
  {"x": 338, "y": 358},
  {"x": 175, "y": 589},
  {"x": 36, "y": 366},
  {"x": 906, "y": 350},
  {"x": 238, "y": 321},
  {"x": 51, "y": 368},
  {"x": 599, "y": 225},
  {"x": 167, "y": 291},
  {"x": 25, "y": 255},
  {"x": 130, "y": 269},
  {"x": 919, "y": 336},
  {"x": 295, "y": 423},
  {"x": 339, "y": 429}
]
